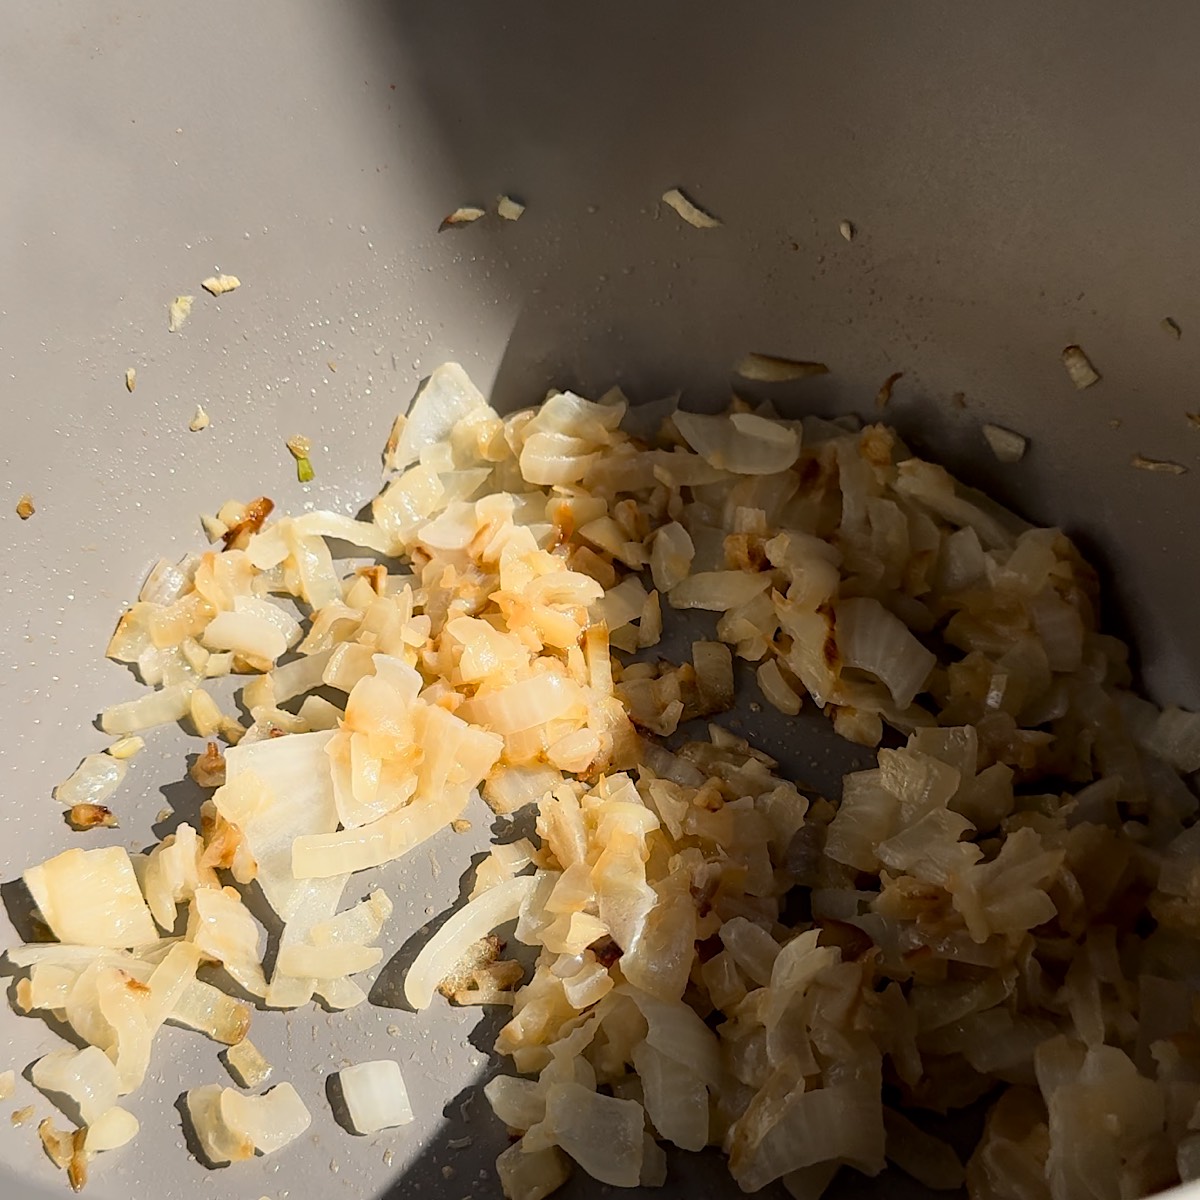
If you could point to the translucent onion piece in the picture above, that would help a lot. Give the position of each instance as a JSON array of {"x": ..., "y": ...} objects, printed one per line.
[
  {"x": 87, "y": 1078},
  {"x": 740, "y": 442},
  {"x": 872, "y": 639},
  {"x": 444, "y": 399},
  {"x": 529, "y": 1174},
  {"x": 375, "y": 1095},
  {"x": 1007, "y": 446},
  {"x": 676, "y": 1098},
  {"x": 156, "y": 708},
  {"x": 601, "y": 1133},
  {"x": 247, "y": 1064},
  {"x": 474, "y": 920},
  {"x": 92, "y": 898},
  {"x": 111, "y": 1130},
  {"x": 93, "y": 781},
  {"x": 691, "y": 213}
]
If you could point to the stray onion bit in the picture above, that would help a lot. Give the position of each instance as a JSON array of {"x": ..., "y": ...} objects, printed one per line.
[
  {"x": 247, "y": 1064},
  {"x": 461, "y": 216},
  {"x": 130, "y": 378},
  {"x": 300, "y": 447},
  {"x": 218, "y": 285},
  {"x": 25, "y": 508},
  {"x": 8, "y": 1084},
  {"x": 376, "y": 1096},
  {"x": 1079, "y": 367},
  {"x": 847, "y": 230},
  {"x": 91, "y": 816},
  {"x": 178, "y": 313},
  {"x": 509, "y": 209},
  {"x": 200, "y": 420},
  {"x": 21, "y": 1115},
  {"x": 127, "y": 747},
  {"x": 769, "y": 368},
  {"x": 1007, "y": 446},
  {"x": 1171, "y": 326},
  {"x": 885, "y": 392},
  {"x": 1160, "y": 465},
  {"x": 690, "y": 212},
  {"x": 1193, "y": 419}
]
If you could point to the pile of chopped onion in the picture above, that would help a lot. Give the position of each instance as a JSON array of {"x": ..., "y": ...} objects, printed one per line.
[{"x": 1007, "y": 904}]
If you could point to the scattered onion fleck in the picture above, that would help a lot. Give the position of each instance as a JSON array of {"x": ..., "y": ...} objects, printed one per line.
[
  {"x": 178, "y": 312},
  {"x": 885, "y": 392},
  {"x": 461, "y": 216},
  {"x": 25, "y": 508},
  {"x": 218, "y": 285},
  {"x": 1079, "y": 368},
  {"x": 1160, "y": 465},
  {"x": 200, "y": 420},
  {"x": 509, "y": 209},
  {"x": 692, "y": 213},
  {"x": 770, "y": 368},
  {"x": 1007, "y": 446},
  {"x": 130, "y": 378}
]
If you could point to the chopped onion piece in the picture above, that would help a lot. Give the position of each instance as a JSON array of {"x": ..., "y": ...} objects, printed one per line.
[
  {"x": 375, "y": 1095},
  {"x": 92, "y": 898},
  {"x": 768, "y": 368},
  {"x": 740, "y": 442},
  {"x": 690, "y": 212},
  {"x": 170, "y": 703},
  {"x": 87, "y": 1078},
  {"x": 473, "y": 921},
  {"x": 93, "y": 781},
  {"x": 1079, "y": 368},
  {"x": 247, "y": 1064},
  {"x": 1007, "y": 446},
  {"x": 113, "y": 1129}
]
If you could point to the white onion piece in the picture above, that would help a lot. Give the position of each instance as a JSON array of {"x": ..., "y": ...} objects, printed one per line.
[
  {"x": 671, "y": 554},
  {"x": 276, "y": 790},
  {"x": 692, "y": 213},
  {"x": 327, "y": 962},
  {"x": 254, "y": 629},
  {"x": 169, "y": 704},
  {"x": 445, "y": 398},
  {"x": 375, "y": 1095},
  {"x": 474, "y": 920},
  {"x": 247, "y": 1064},
  {"x": 364, "y": 534},
  {"x": 167, "y": 581},
  {"x": 519, "y": 1103},
  {"x": 111, "y": 1130},
  {"x": 676, "y": 1031},
  {"x": 319, "y": 856},
  {"x": 93, "y": 781},
  {"x": 718, "y": 591},
  {"x": 87, "y": 1078},
  {"x": 525, "y": 704},
  {"x": 601, "y": 1133},
  {"x": 269, "y": 1121},
  {"x": 222, "y": 929},
  {"x": 218, "y": 1143},
  {"x": 526, "y": 1173},
  {"x": 1007, "y": 446},
  {"x": 676, "y": 1098},
  {"x": 92, "y": 898},
  {"x": 740, "y": 442},
  {"x": 872, "y": 639}
]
